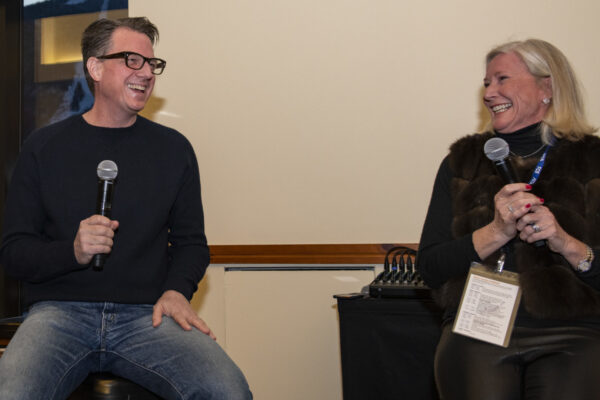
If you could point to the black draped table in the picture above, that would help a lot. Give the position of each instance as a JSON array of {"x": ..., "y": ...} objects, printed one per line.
[{"x": 387, "y": 347}]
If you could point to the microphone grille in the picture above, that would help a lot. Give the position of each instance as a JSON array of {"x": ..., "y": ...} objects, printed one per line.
[
  {"x": 107, "y": 170},
  {"x": 496, "y": 149}
]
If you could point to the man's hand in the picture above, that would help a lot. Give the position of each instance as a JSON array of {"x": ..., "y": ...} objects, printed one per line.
[
  {"x": 95, "y": 236},
  {"x": 173, "y": 304}
]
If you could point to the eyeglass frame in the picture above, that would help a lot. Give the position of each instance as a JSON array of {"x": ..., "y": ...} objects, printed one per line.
[{"x": 125, "y": 56}]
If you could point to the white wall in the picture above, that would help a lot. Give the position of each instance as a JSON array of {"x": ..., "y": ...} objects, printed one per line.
[{"x": 324, "y": 121}]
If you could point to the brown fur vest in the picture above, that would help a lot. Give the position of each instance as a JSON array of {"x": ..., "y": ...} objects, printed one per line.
[{"x": 570, "y": 185}]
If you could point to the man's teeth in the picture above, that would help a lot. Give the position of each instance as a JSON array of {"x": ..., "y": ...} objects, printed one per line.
[
  {"x": 136, "y": 87},
  {"x": 501, "y": 107}
]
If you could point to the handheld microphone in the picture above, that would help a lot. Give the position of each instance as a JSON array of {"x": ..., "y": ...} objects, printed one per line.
[
  {"x": 107, "y": 172},
  {"x": 497, "y": 150}
]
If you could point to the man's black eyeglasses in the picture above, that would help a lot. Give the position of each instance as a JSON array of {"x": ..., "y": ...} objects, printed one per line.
[{"x": 136, "y": 61}]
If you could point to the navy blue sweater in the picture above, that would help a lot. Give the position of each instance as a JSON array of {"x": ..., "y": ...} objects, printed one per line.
[{"x": 160, "y": 243}]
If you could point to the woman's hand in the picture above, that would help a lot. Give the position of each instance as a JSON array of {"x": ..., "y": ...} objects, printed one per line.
[
  {"x": 511, "y": 203},
  {"x": 518, "y": 211},
  {"x": 540, "y": 224}
]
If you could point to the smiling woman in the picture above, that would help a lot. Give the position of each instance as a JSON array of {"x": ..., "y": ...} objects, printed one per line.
[
  {"x": 514, "y": 97},
  {"x": 542, "y": 231}
]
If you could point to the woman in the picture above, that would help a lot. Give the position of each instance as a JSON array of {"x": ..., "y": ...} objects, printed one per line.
[{"x": 546, "y": 229}]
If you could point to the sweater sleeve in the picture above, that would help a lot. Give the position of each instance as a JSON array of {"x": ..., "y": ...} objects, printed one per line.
[
  {"x": 188, "y": 250},
  {"x": 440, "y": 256},
  {"x": 27, "y": 253}
]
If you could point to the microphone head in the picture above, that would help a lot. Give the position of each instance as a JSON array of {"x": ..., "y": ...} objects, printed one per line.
[
  {"x": 496, "y": 149},
  {"x": 107, "y": 170}
]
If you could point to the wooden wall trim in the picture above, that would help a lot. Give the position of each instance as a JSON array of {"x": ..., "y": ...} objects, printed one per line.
[{"x": 303, "y": 253}]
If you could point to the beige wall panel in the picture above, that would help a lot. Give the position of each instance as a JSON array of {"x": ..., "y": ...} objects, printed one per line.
[
  {"x": 325, "y": 121},
  {"x": 283, "y": 332}
]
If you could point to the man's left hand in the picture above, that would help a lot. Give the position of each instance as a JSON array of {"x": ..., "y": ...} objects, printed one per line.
[{"x": 173, "y": 304}]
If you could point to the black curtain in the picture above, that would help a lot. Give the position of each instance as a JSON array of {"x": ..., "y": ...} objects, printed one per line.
[{"x": 10, "y": 126}]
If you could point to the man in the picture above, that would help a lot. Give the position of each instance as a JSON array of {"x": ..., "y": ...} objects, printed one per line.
[{"x": 133, "y": 317}]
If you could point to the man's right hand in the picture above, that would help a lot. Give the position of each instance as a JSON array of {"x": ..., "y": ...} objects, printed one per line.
[{"x": 95, "y": 236}]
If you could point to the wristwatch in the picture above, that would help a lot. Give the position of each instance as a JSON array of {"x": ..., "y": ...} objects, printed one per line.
[{"x": 585, "y": 264}]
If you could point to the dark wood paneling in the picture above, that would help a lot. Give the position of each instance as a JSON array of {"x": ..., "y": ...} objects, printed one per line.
[
  {"x": 303, "y": 253},
  {"x": 10, "y": 127}
]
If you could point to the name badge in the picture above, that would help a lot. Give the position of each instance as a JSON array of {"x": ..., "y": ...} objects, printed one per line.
[{"x": 489, "y": 305}]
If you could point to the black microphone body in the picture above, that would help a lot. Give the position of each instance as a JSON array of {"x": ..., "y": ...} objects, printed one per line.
[
  {"x": 506, "y": 170},
  {"x": 497, "y": 150},
  {"x": 107, "y": 172}
]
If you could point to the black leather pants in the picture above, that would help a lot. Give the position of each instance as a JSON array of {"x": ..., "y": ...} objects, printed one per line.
[{"x": 542, "y": 363}]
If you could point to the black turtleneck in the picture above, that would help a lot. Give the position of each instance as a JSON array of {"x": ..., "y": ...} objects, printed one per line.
[{"x": 525, "y": 142}]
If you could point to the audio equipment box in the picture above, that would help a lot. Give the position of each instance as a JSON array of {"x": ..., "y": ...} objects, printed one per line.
[{"x": 400, "y": 278}]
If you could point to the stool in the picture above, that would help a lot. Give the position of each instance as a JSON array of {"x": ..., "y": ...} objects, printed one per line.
[{"x": 106, "y": 386}]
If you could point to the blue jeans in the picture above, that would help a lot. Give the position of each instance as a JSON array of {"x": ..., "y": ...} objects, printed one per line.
[{"x": 59, "y": 343}]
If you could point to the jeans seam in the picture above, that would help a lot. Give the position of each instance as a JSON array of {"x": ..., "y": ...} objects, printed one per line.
[
  {"x": 137, "y": 364},
  {"x": 62, "y": 378}
]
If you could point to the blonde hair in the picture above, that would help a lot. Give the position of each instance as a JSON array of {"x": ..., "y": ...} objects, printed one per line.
[{"x": 565, "y": 117}]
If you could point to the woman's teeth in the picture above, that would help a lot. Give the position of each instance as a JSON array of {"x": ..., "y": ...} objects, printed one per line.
[{"x": 501, "y": 107}]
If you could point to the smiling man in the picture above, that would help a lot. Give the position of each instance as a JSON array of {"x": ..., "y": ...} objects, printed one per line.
[{"x": 132, "y": 317}]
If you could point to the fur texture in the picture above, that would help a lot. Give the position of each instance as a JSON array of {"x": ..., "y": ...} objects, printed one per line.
[{"x": 570, "y": 186}]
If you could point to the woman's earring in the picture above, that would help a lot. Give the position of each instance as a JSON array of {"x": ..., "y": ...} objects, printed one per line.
[{"x": 546, "y": 100}]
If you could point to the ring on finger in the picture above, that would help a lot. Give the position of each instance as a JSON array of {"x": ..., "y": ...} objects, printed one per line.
[
  {"x": 512, "y": 210},
  {"x": 536, "y": 228}
]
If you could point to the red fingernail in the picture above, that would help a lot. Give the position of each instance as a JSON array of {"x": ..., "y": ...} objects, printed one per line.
[
  {"x": 528, "y": 187},
  {"x": 541, "y": 200},
  {"x": 527, "y": 205}
]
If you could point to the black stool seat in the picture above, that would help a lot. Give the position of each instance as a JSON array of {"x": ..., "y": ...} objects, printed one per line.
[{"x": 106, "y": 386}]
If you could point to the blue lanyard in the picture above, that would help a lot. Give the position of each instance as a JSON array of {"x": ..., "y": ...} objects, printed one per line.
[{"x": 540, "y": 165}]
